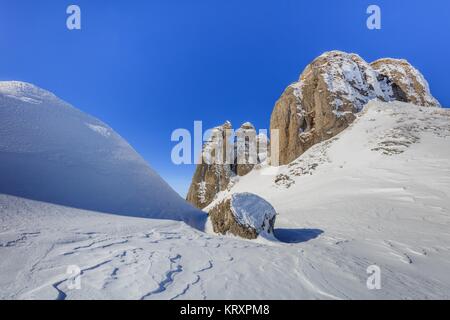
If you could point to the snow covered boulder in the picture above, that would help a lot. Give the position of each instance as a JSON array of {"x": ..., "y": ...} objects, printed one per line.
[{"x": 243, "y": 214}]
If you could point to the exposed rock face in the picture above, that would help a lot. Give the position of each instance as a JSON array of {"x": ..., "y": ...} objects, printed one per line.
[
  {"x": 213, "y": 174},
  {"x": 243, "y": 214},
  {"x": 330, "y": 91},
  {"x": 408, "y": 79},
  {"x": 246, "y": 155},
  {"x": 225, "y": 155}
]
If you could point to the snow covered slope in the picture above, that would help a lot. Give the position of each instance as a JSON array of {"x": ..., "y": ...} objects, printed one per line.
[
  {"x": 378, "y": 193},
  {"x": 52, "y": 152},
  {"x": 133, "y": 258}
]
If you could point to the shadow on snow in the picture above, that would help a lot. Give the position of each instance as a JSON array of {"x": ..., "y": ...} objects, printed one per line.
[{"x": 296, "y": 235}]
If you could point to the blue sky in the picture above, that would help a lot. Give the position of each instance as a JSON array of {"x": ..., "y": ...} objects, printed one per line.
[{"x": 149, "y": 67}]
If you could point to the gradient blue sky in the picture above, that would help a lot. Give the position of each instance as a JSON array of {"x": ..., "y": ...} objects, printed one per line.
[{"x": 148, "y": 67}]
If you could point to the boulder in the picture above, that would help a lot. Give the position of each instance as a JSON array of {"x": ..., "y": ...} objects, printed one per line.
[{"x": 243, "y": 214}]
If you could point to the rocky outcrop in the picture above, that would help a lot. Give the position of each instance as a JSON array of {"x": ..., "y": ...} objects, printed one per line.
[
  {"x": 408, "y": 79},
  {"x": 225, "y": 155},
  {"x": 243, "y": 214},
  {"x": 246, "y": 146},
  {"x": 212, "y": 175},
  {"x": 331, "y": 90}
]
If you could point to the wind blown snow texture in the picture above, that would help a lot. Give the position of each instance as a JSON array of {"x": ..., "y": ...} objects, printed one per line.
[
  {"x": 378, "y": 193},
  {"x": 52, "y": 152}
]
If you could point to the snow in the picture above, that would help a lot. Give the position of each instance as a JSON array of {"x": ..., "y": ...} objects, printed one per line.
[
  {"x": 52, "y": 152},
  {"x": 252, "y": 211},
  {"x": 127, "y": 257},
  {"x": 25, "y": 92},
  {"x": 343, "y": 75},
  {"x": 248, "y": 125},
  {"x": 99, "y": 129},
  {"x": 378, "y": 193}
]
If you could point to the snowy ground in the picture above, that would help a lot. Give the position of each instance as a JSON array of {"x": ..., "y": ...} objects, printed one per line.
[{"x": 379, "y": 193}]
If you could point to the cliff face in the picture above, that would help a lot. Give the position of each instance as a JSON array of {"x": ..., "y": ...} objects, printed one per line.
[
  {"x": 331, "y": 90},
  {"x": 211, "y": 175}
]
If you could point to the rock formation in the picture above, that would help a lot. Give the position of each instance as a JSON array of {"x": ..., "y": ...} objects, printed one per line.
[
  {"x": 226, "y": 154},
  {"x": 212, "y": 175},
  {"x": 410, "y": 81},
  {"x": 243, "y": 214},
  {"x": 331, "y": 90}
]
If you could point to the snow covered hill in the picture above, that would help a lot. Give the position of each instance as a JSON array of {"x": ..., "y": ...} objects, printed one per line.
[
  {"x": 378, "y": 193},
  {"x": 52, "y": 152}
]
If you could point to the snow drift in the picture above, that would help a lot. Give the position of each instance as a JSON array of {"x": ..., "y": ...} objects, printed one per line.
[{"x": 52, "y": 152}]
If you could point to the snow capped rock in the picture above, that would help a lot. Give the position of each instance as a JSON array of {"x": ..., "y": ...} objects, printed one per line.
[
  {"x": 52, "y": 152},
  {"x": 243, "y": 214},
  {"x": 253, "y": 211},
  {"x": 334, "y": 87},
  {"x": 247, "y": 125},
  {"x": 225, "y": 155},
  {"x": 410, "y": 81},
  {"x": 214, "y": 173}
]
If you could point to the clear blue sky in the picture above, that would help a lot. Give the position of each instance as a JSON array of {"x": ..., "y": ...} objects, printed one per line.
[{"x": 148, "y": 67}]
